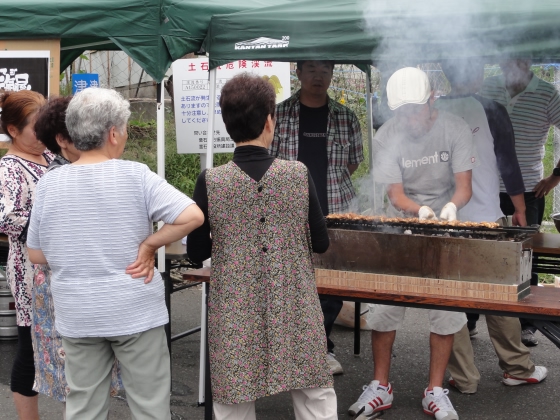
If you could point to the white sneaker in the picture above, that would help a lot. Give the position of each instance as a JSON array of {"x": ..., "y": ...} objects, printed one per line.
[
  {"x": 334, "y": 365},
  {"x": 436, "y": 403},
  {"x": 538, "y": 376},
  {"x": 373, "y": 399}
]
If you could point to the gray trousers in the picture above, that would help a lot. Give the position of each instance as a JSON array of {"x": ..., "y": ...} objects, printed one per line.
[
  {"x": 513, "y": 356},
  {"x": 145, "y": 369}
]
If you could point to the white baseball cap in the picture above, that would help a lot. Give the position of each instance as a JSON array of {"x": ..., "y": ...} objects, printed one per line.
[{"x": 408, "y": 86}]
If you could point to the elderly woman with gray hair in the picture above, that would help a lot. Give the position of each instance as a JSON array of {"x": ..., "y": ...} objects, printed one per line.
[{"x": 92, "y": 223}]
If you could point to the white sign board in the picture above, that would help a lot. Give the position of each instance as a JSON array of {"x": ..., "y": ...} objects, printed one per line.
[{"x": 191, "y": 97}]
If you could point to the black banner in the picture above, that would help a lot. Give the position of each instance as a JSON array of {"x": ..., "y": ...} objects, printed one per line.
[{"x": 25, "y": 73}]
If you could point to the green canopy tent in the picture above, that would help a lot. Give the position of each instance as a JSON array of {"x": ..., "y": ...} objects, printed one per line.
[
  {"x": 394, "y": 32},
  {"x": 129, "y": 25},
  {"x": 362, "y": 32},
  {"x": 152, "y": 32},
  {"x": 189, "y": 20}
]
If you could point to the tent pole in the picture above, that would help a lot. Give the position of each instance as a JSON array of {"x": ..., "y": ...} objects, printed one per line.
[
  {"x": 161, "y": 157},
  {"x": 369, "y": 121},
  {"x": 211, "y": 116},
  {"x": 369, "y": 110},
  {"x": 206, "y": 162}
]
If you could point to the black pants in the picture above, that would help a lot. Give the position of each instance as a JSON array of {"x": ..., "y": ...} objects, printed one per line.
[
  {"x": 23, "y": 370},
  {"x": 331, "y": 309},
  {"x": 471, "y": 320},
  {"x": 534, "y": 214}
]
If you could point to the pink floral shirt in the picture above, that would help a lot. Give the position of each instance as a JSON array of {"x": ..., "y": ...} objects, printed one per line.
[{"x": 18, "y": 180}]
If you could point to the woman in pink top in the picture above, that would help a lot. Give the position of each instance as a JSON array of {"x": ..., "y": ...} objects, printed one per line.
[{"x": 20, "y": 169}]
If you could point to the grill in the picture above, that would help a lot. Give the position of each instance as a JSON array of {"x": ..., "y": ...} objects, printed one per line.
[
  {"x": 479, "y": 260},
  {"x": 405, "y": 227}
]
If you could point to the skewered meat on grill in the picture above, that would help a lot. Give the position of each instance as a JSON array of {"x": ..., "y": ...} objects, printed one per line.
[{"x": 414, "y": 220}]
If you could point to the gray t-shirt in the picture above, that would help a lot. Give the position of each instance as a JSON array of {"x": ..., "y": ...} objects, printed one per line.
[
  {"x": 426, "y": 165},
  {"x": 89, "y": 221}
]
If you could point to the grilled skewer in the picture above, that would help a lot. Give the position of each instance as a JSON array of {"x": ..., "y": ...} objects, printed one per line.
[{"x": 353, "y": 217}]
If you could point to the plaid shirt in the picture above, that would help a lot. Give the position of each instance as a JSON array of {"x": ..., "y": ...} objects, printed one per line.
[{"x": 344, "y": 146}]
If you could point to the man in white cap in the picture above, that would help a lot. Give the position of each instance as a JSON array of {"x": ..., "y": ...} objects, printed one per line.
[{"x": 425, "y": 158}]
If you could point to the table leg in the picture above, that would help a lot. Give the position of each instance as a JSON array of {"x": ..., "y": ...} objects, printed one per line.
[
  {"x": 205, "y": 386},
  {"x": 168, "y": 290},
  {"x": 203, "y": 342},
  {"x": 357, "y": 314}
]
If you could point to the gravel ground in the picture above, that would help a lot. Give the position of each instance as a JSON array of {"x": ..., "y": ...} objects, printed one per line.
[{"x": 409, "y": 376}]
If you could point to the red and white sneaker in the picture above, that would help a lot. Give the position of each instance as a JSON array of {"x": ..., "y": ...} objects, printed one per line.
[
  {"x": 454, "y": 385},
  {"x": 452, "y": 382},
  {"x": 374, "y": 399},
  {"x": 538, "y": 376},
  {"x": 436, "y": 403}
]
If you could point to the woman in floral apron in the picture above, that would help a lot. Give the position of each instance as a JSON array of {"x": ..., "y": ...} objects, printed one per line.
[{"x": 265, "y": 327}]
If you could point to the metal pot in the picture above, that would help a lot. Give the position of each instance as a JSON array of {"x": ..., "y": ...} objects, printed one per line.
[
  {"x": 8, "y": 317},
  {"x": 8, "y": 333},
  {"x": 4, "y": 288},
  {"x": 7, "y": 303},
  {"x": 556, "y": 220}
]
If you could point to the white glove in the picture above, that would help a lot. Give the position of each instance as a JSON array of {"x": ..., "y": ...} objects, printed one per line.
[
  {"x": 449, "y": 212},
  {"x": 426, "y": 213}
]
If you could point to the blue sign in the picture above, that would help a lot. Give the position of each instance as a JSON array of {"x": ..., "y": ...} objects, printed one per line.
[{"x": 84, "y": 80}]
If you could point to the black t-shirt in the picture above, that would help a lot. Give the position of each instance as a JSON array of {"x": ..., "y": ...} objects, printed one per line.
[{"x": 312, "y": 150}]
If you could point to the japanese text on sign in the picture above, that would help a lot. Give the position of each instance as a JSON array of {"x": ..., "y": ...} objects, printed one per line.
[
  {"x": 192, "y": 99},
  {"x": 10, "y": 79},
  {"x": 25, "y": 70},
  {"x": 81, "y": 81}
]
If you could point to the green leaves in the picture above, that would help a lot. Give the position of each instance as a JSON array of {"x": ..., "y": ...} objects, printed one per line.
[{"x": 181, "y": 170}]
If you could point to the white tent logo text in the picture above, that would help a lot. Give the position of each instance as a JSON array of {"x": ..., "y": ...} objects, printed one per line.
[{"x": 263, "y": 43}]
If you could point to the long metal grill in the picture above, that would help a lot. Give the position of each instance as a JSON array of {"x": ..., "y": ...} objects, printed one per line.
[{"x": 410, "y": 227}]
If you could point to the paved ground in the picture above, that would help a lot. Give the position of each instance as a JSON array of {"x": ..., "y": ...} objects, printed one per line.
[{"x": 409, "y": 376}]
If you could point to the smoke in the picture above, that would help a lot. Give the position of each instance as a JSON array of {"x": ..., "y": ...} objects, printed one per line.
[
  {"x": 370, "y": 197},
  {"x": 429, "y": 32},
  {"x": 411, "y": 32}
]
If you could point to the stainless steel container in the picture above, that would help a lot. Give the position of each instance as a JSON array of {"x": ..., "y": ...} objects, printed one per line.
[
  {"x": 503, "y": 261},
  {"x": 8, "y": 318}
]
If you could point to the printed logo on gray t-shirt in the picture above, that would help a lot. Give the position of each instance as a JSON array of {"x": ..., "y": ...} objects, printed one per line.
[{"x": 425, "y": 166}]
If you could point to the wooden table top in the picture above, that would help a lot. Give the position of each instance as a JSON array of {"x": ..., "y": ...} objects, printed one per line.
[
  {"x": 543, "y": 301},
  {"x": 199, "y": 274},
  {"x": 546, "y": 243}
]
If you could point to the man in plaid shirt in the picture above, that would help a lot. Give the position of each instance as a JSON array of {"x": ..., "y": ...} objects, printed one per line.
[{"x": 326, "y": 136}]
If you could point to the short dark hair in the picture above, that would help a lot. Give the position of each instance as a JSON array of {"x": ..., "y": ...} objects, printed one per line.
[
  {"x": 299, "y": 64},
  {"x": 247, "y": 101},
  {"x": 51, "y": 121}
]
